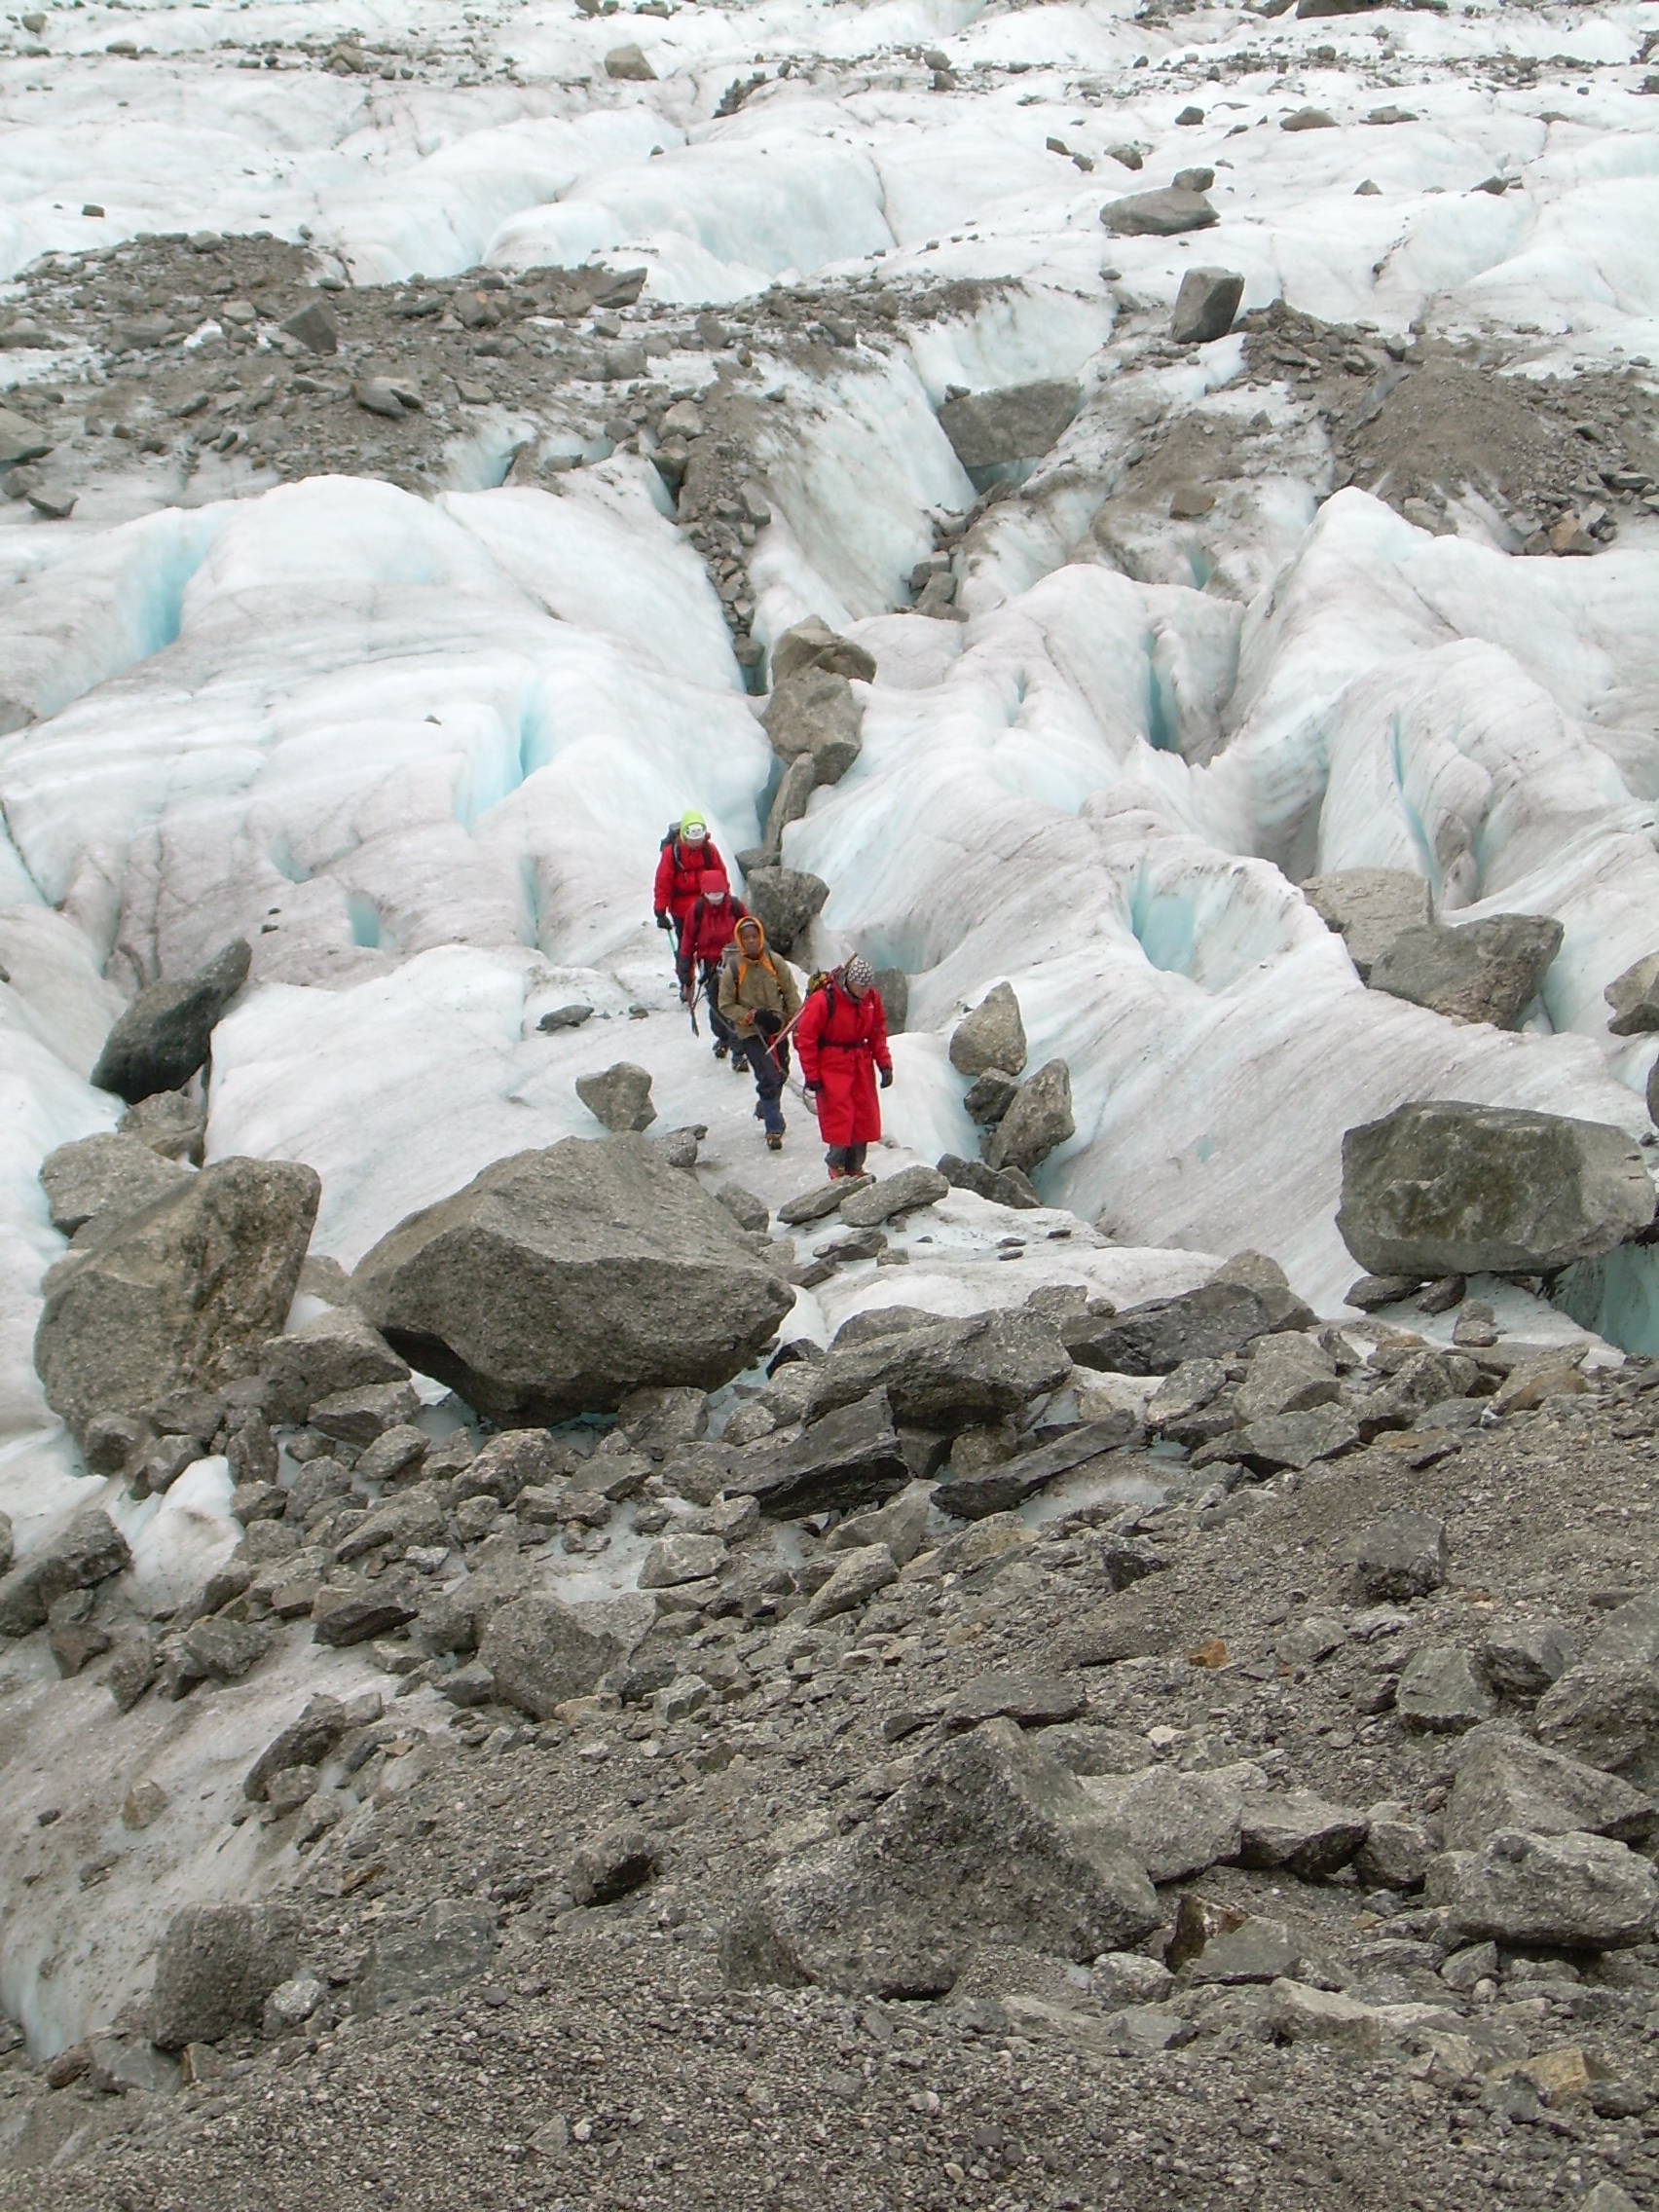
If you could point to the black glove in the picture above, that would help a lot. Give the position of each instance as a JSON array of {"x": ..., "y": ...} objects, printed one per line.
[
  {"x": 887, "y": 1078},
  {"x": 665, "y": 921},
  {"x": 767, "y": 1022},
  {"x": 810, "y": 1091}
]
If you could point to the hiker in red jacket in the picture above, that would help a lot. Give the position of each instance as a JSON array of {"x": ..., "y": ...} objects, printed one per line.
[
  {"x": 707, "y": 930},
  {"x": 687, "y": 856},
  {"x": 841, "y": 1042}
]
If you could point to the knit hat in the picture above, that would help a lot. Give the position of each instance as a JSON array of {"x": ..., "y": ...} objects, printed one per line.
[{"x": 860, "y": 974}]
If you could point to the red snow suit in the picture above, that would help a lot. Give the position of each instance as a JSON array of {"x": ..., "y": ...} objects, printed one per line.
[
  {"x": 680, "y": 877},
  {"x": 841, "y": 1040},
  {"x": 709, "y": 930}
]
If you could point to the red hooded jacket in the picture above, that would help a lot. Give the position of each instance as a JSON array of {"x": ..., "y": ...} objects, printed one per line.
[
  {"x": 710, "y": 927},
  {"x": 679, "y": 875},
  {"x": 840, "y": 1041}
]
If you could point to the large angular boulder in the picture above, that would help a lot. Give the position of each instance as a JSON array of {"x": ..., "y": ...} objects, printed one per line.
[
  {"x": 1002, "y": 1186},
  {"x": 1401, "y": 1556},
  {"x": 990, "y": 1839},
  {"x": 1439, "y": 1187},
  {"x": 1174, "y": 1824},
  {"x": 180, "y": 1296},
  {"x": 1298, "y": 1829},
  {"x": 1606, "y": 1715},
  {"x": 1634, "y": 998},
  {"x": 1581, "y": 1893},
  {"x": 1289, "y": 1374},
  {"x": 451, "y": 1944},
  {"x": 1206, "y": 306},
  {"x": 170, "y": 1123},
  {"x": 163, "y": 1038},
  {"x": 815, "y": 716},
  {"x": 558, "y": 1282},
  {"x": 102, "y": 1179},
  {"x": 849, "y": 1459},
  {"x": 215, "y": 1967},
  {"x": 1489, "y": 971},
  {"x": 990, "y": 429},
  {"x": 786, "y": 901},
  {"x": 992, "y": 1036},
  {"x": 618, "y": 1098},
  {"x": 1162, "y": 214},
  {"x": 812, "y": 644},
  {"x": 1212, "y": 1322},
  {"x": 1369, "y": 907},
  {"x": 1505, "y": 1781},
  {"x": 540, "y": 1652},
  {"x": 332, "y": 1353},
  {"x": 86, "y": 1551},
  {"x": 1038, "y": 1120},
  {"x": 1003, "y": 1488},
  {"x": 951, "y": 1375},
  {"x": 878, "y": 1201}
]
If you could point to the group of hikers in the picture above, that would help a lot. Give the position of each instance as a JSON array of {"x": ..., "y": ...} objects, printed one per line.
[{"x": 756, "y": 1008}]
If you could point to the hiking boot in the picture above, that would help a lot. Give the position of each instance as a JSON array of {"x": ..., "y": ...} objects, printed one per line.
[
  {"x": 720, "y": 1048},
  {"x": 739, "y": 1066},
  {"x": 774, "y": 1141}
]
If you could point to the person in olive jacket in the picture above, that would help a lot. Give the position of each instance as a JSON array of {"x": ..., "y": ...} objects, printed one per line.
[{"x": 758, "y": 999}]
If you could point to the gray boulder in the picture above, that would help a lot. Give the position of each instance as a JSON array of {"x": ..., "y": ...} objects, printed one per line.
[
  {"x": 990, "y": 429},
  {"x": 1206, "y": 306},
  {"x": 86, "y": 1551},
  {"x": 558, "y": 1282},
  {"x": 215, "y": 1967},
  {"x": 450, "y": 1945},
  {"x": 1581, "y": 1893},
  {"x": 1289, "y": 1374},
  {"x": 893, "y": 987},
  {"x": 1439, "y": 1187},
  {"x": 812, "y": 644},
  {"x": 789, "y": 803},
  {"x": 681, "y": 1557},
  {"x": 613, "y": 1863},
  {"x": 989, "y": 1838},
  {"x": 333, "y": 1351},
  {"x": 814, "y": 716},
  {"x": 1522, "y": 1658},
  {"x": 992, "y": 1036},
  {"x": 180, "y": 1297},
  {"x": 1212, "y": 1322},
  {"x": 1397, "y": 1849},
  {"x": 1609, "y": 1717},
  {"x": 171, "y": 1122},
  {"x": 1505, "y": 1781},
  {"x": 1489, "y": 971},
  {"x": 786, "y": 901},
  {"x": 1034, "y": 1701},
  {"x": 305, "y": 1742},
  {"x": 900, "y": 1524},
  {"x": 858, "y": 1575},
  {"x": 359, "y": 1417},
  {"x": 1256, "y": 1272},
  {"x": 619, "y": 1096},
  {"x": 541, "y": 1653},
  {"x": 102, "y": 1179},
  {"x": 1402, "y": 1555},
  {"x": 316, "y": 327},
  {"x": 950, "y": 1375},
  {"x": 849, "y": 1458},
  {"x": 1003, "y": 1187},
  {"x": 1002, "y": 1487},
  {"x": 1257, "y": 1950},
  {"x": 1158, "y": 215},
  {"x": 1440, "y": 1692},
  {"x": 1630, "y": 1634},
  {"x": 1634, "y": 998},
  {"x": 1294, "y": 1440},
  {"x": 629, "y": 63},
  {"x": 1173, "y": 1823},
  {"x": 989, "y": 1096},
  {"x": 1296, "y": 1829},
  {"x": 1369, "y": 907},
  {"x": 164, "y": 1037},
  {"x": 1039, "y": 1119},
  {"x": 903, "y": 1193}
]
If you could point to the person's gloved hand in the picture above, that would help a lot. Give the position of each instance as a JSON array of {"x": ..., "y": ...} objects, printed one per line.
[
  {"x": 887, "y": 1078},
  {"x": 665, "y": 921},
  {"x": 810, "y": 1093},
  {"x": 767, "y": 1022}
]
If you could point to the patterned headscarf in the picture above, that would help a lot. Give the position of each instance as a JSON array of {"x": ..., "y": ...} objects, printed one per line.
[{"x": 860, "y": 974}]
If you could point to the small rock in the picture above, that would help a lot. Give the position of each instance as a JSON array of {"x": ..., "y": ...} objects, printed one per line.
[
  {"x": 1298, "y": 1829},
  {"x": 291, "y": 2003},
  {"x": 1522, "y": 1658},
  {"x": 676, "y": 1559},
  {"x": 144, "y": 1804},
  {"x": 629, "y": 63},
  {"x": 314, "y": 326},
  {"x": 613, "y": 1863},
  {"x": 1158, "y": 215},
  {"x": 1308, "y": 119},
  {"x": 878, "y": 1201},
  {"x": 1401, "y": 1556},
  {"x": 215, "y": 1967},
  {"x": 857, "y": 1578}
]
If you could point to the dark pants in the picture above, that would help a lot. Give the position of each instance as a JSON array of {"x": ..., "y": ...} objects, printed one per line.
[
  {"x": 709, "y": 988},
  {"x": 848, "y": 1156},
  {"x": 768, "y": 1080}
]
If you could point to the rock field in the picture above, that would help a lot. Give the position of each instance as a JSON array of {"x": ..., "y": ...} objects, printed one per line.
[{"x": 552, "y": 1657}]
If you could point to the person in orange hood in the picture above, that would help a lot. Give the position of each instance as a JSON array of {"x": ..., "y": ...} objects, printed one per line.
[
  {"x": 841, "y": 1038},
  {"x": 758, "y": 1001}
]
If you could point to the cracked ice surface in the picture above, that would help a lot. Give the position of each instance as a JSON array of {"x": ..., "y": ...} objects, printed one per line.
[{"x": 421, "y": 750}]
